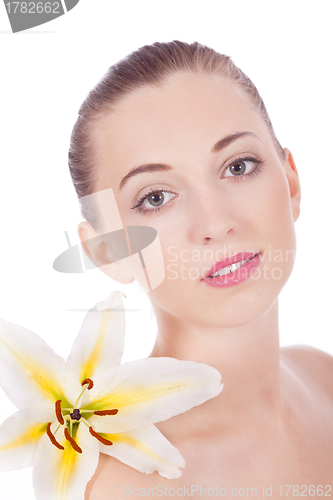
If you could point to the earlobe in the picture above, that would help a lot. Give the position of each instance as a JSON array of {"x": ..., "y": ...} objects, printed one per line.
[
  {"x": 99, "y": 253},
  {"x": 92, "y": 244},
  {"x": 85, "y": 234},
  {"x": 294, "y": 184}
]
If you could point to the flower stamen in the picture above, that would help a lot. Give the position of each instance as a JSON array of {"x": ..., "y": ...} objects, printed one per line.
[
  {"x": 74, "y": 444},
  {"x": 89, "y": 382},
  {"x": 52, "y": 438},
  {"x": 100, "y": 438},
  {"x": 106, "y": 412},
  {"x": 78, "y": 399},
  {"x": 58, "y": 412}
]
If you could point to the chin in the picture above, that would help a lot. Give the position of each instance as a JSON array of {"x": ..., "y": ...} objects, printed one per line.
[
  {"x": 248, "y": 315},
  {"x": 231, "y": 309},
  {"x": 233, "y": 317}
]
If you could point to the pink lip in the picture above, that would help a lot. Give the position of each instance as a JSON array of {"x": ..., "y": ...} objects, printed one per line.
[
  {"x": 238, "y": 276},
  {"x": 230, "y": 260}
]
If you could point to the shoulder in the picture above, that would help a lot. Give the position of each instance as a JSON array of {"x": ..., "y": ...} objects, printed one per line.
[
  {"x": 115, "y": 480},
  {"x": 308, "y": 356},
  {"x": 311, "y": 364}
]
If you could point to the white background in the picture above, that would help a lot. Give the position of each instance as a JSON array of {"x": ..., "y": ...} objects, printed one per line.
[{"x": 285, "y": 47}]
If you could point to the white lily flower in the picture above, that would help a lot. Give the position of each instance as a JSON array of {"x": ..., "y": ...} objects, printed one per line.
[{"x": 70, "y": 411}]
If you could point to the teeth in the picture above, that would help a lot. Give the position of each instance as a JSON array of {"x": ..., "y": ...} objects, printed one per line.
[{"x": 230, "y": 269}]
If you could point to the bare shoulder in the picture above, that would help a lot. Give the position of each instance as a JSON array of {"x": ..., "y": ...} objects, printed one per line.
[
  {"x": 312, "y": 364},
  {"x": 114, "y": 480}
]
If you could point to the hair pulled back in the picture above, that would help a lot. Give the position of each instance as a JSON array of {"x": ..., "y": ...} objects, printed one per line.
[{"x": 149, "y": 65}]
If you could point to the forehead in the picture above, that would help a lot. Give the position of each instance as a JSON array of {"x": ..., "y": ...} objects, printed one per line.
[{"x": 186, "y": 115}]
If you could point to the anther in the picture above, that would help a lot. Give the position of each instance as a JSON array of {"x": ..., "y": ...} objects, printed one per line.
[
  {"x": 74, "y": 444},
  {"x": 89, "y": 382},
  {"x": 100, "y": 438},
  {"x": 52, "y": 438},
  {"x": 58, "y": 412},
  {"x": 106, "y": 412}
]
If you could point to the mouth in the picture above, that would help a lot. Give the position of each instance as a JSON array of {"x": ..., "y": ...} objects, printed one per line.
[{"x": 230, "y": 265}]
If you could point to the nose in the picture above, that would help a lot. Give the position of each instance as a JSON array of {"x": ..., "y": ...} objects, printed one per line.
[{"x": 214, "y": 215}]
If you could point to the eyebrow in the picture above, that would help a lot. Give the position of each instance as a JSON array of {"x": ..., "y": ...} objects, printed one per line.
[{"x": 158, "y": 167}]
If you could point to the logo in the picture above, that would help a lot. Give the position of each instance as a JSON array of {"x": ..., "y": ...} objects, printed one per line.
[
  {"x": 137, "y": 246},
  {"x": 25, "y": 15}
]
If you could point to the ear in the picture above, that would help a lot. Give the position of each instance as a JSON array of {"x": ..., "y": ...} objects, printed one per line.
[
  {"x": 99, "y": 253},
  {"x": 294, "y": 184}
]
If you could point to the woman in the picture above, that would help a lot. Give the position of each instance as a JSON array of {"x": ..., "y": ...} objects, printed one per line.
[{"x": 223, "y": 196}]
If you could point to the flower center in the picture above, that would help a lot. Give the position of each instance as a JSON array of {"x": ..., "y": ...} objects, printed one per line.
[
  {"x": 76, "y": 415},
  {"x": 71, "y": 421}
]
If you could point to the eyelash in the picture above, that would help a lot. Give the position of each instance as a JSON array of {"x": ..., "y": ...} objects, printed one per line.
[{"x": 256, "y": 170}]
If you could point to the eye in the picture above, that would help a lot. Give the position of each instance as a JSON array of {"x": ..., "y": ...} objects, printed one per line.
[
  {"x": 153, "y": 201},
  {"x": 242, "y": 167},
  {"x": 156, "y": 199}
]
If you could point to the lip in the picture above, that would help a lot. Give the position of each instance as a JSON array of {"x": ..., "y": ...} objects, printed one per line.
[
  {"x": 234, "y": 278},
  {"x": 238, "y": 257}
]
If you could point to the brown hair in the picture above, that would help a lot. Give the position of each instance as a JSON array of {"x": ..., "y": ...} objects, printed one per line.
[{"x": 149, "y": 65}]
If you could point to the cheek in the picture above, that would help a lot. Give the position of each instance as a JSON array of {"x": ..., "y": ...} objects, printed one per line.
[
  {"x": 268, "y": 210},
  {"x": 278, "y": 215},
  {"x": 277, "y": 230}
]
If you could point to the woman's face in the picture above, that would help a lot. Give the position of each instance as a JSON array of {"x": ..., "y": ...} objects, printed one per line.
[{"x": 211, "y": 202}]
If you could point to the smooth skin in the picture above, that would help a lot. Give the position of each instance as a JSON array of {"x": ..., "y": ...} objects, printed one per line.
[{"x": 273, "y": 422}]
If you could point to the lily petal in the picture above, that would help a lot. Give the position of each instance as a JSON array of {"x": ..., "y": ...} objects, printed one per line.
[
  {"x": 19, "y": 436},
  {"x": 97, "y": 350},
  {"x": 31, "y": 372},
  {"x": 151, "y": 390},
  {"x": 146, "y": 450},
  {"x": 64, "y": 474}
]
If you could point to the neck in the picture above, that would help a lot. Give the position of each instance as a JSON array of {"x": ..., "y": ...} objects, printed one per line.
[{"x": 247, "y": 356}]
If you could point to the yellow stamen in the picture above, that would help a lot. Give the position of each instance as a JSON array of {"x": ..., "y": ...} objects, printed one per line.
[
  {"x": 78, "y": 399},
  {"x": 106, "y": 412},
  {"x": 52, "y": 438},
  {"x": 58, "y": 412},
  {"x": 89, "y": 382},
  {"x": 100, "y": 438},
  {"x": 74, "y": 444}
]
